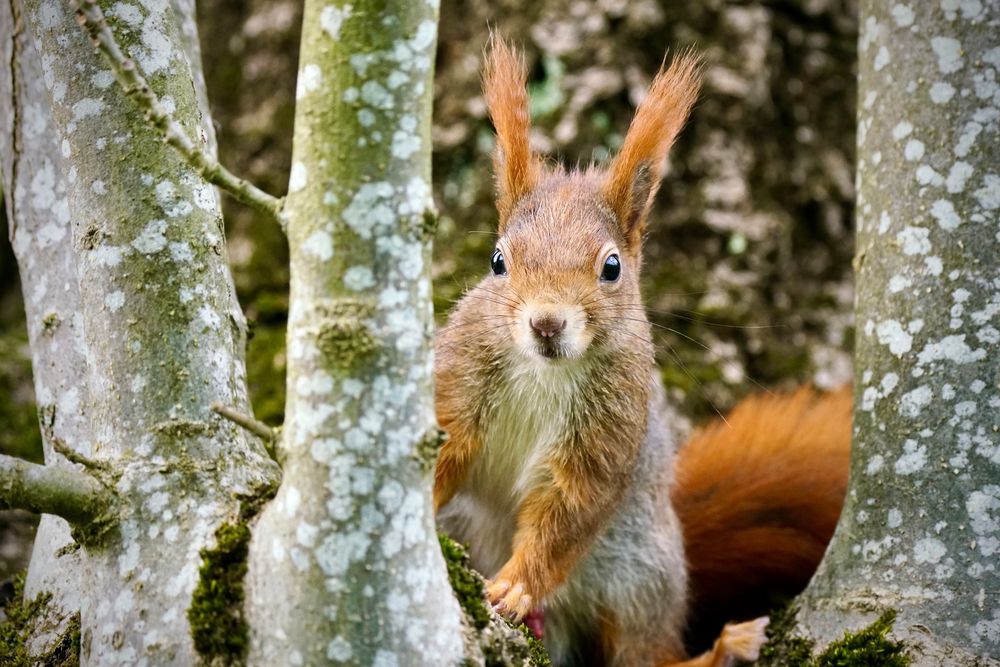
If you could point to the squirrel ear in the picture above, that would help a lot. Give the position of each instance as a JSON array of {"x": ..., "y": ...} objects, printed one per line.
[
  {"x": 634, "y": 176},
  {"x": 507, "y": 98}
]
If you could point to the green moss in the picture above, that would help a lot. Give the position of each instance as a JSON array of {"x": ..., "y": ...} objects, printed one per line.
[
  {"x": 218, "y": 628},
  {"x": 536, "y": 650},
  {"x": 427, "y": 449},
  {"x": 466, "y": 583},
  {"x": 343, "y": 336},
  {"x": 868, "y": 647},
  {"x": 468, "y": 587},
  {"x": 182, "y": 428},
  {"x": 783, "y": 647},
  {"x": 25, "y": 618}
]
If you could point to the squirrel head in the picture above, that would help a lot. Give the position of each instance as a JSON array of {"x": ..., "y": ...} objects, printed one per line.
[{"x": 568, "y": 254}]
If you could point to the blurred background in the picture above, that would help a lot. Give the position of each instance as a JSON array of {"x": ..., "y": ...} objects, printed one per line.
[{"x": 748, "y": 259}]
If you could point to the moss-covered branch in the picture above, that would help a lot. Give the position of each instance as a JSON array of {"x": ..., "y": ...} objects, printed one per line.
[
  {"x": 76, "y": 497},
  {"x": 91, "y": 18}
]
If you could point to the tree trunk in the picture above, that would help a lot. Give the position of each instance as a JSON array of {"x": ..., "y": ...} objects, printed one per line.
[
  {"x": 36, "y": 200},
  {"x": 345, "y": 564},
  {"x": 920, "y": 531},
  {"x": 135, "y": 325}
]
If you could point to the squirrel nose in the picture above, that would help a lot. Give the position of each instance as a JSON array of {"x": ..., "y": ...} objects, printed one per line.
[{"x": 547, "y": 326}]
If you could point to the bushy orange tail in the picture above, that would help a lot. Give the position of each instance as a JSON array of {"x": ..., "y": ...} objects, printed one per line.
[{"x": 759, "y": 498}]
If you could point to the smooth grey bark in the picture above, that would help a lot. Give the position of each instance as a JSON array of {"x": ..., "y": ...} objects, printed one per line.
[
  {"x": 345, "y": 566},
  {"x": 112, "y": 216},
  {"x": 35, "y": 187},
  {"x": 920, "y": 530}
]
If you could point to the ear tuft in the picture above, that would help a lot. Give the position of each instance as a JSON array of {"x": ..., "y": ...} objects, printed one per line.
[
  {"x": 507, "y": 98},
  {"x": 634, "y": 176}
]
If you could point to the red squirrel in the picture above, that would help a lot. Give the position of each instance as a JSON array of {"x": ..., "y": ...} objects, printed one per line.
[{"x": 558, "y": 471}]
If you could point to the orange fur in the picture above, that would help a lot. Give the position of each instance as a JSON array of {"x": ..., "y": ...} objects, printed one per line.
[
  {"x": 759, "y": 499},
  {"x": 507, "y": 98},
  {"x": 634, "y": 176}
]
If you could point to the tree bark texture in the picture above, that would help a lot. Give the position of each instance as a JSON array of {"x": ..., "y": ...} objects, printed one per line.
[
  {"x": 126, "y": 262},
  {"x": 920, "y": 531},
  {"x": 345, "y": 566},
  {"x": 38, "y": 214}
]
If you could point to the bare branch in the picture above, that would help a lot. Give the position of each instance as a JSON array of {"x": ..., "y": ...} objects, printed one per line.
[
  {"x": 75, "y": 496},
  {"x": 73, "y": 456},
  {"x": 91, "y": 18},
  {"x": 257, "y": 427}
]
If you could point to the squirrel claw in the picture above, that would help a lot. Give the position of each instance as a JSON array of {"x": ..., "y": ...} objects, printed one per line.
[
  {"x": 495, "y": 590},
  {"x": 509, "y": 600}
]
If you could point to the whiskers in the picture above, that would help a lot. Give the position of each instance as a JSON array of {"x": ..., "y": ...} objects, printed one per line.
[{"x": 664, "y": 338}]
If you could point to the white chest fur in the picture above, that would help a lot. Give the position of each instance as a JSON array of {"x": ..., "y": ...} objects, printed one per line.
[{"x": 530, "y": 417}]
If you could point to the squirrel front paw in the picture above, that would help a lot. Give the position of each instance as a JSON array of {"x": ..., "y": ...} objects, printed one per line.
[{"x": 509, "y": 599}]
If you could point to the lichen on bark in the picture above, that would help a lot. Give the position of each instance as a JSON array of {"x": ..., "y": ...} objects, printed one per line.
[
  {"x": 920, "y": 529},
  {"x": 347, "y": 551}
]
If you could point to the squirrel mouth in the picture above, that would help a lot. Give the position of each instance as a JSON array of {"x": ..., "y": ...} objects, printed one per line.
[{"x": 548, "y": 349}]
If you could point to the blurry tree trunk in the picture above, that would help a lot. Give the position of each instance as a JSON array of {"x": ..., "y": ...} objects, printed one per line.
[
  {"x": 920, "y": 531},
  {"x": 134, "y": 324}
]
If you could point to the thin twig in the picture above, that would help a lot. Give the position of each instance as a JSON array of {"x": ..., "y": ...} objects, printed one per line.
[
  {"x": 255, "y": 426},
  {"x": 74, "y": 456},
  {"x": 75, "y": 496},
  {"x": 91, "y": 18}
]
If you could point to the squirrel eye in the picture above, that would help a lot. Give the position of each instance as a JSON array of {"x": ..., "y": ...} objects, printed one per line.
[
  {"x": 497, "y": 263},
  {"x": 612, "y": 269}
]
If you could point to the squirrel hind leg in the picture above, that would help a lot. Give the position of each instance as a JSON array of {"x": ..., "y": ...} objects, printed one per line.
[{"x": 737, "y": 642}]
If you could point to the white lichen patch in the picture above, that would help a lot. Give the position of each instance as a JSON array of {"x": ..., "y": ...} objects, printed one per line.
[
  {"x": 902, "y": 15},
  {"x": 299, "y": 177},
  {"x": 115, "y": 300},
  {"x": 902, "y": 130},
  {"x": 152, "y": 239},
  {"x": 929, "y": 550},
  {"x": 950, "y": 348},
  {"x": 983, "y": 509},
  {"x": 892, "y": 334},
  {"x": 359, "y": 278},
  {"x": 332, "y": 19},
  {"x": 944, "y": 212},
  {"x": 309, "y": 81},
  {"x": 914, "y": 456},
  {"x": 958, "y": 176},
  {"x": 913, "y": 402},
  {"x": 914, "y": 150},
  {"x": 170, "y": 201},
  {"x": 914, "y": 240},
  {"x": 319, "y": 244},
  {"x": 988, "y": 195},
  {"x": 949, "y": 54},
  {"x": 941, "y": 92},
  {"x": 370, "y": 207}
]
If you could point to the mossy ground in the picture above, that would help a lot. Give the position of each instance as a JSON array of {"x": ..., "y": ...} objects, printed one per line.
[
  {"x": 868, "y": 647},
  {"x": 22, "y": 619}
]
